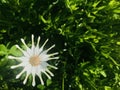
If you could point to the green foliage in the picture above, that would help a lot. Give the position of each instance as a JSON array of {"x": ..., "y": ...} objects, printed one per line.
[{"x": 86, "y": 34}]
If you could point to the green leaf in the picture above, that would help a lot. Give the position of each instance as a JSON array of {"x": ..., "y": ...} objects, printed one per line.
[
  {"x": 3, "y": 31},
  {"x": 48, "y": 82},
  {"x": 103, "y": 73},
  {"x": 118, "y": 43},
  {"x": 95, "y": 4},
  {"x": 117, "y": 10},
  {"x": 107, "y": 88},
  {"x": 14, "y": 51},
  {"x": 3, "y": 50},
  {"x": 1, "y": 77},
  {"x": 41, "y": 87},
  {"x": 3, "y": 62},
  {"x": 106, "y": 55}
]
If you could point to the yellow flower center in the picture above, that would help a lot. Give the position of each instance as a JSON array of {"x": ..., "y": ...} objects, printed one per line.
[{"x": 34, "y": 60}]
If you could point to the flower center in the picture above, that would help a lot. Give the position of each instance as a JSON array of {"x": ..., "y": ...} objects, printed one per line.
[{"x": 34, "y": 60}]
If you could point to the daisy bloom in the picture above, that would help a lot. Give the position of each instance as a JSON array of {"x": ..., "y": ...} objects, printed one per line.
[{"x": 34, "y": 61}]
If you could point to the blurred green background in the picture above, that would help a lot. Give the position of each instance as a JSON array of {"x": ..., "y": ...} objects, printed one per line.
[{"x": 86, "y": 34}]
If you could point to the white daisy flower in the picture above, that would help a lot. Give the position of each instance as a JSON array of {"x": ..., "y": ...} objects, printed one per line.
[{"x": 34, "y": 61}]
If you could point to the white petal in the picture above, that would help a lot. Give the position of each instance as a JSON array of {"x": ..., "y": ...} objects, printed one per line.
[
  {"x": 33, "y": 40},
  {"x": 20, "y": 73},
  {"x": 43, "y": 65},
  {"x": 38, "y": 69},
  {"x": 19, "y": 48},
  {"x": 25, "y": 80},
  {"x": 44, "y": 44},
  {"x": 53, "y": 58},
  {"x": 53, "y": 54},
  {"x": 12, "y": 57},
  {"x": 47, "y": 75},
  {"x": 37, "y": 51},
  {"x": 44, "y": 57},
  {"x": 33, "y": 69},
  {"x": 41, "y": 80},
  {"x": 25, "y": 53},
  {"x": 50, "y": 72},
  {"x": 52, "y": 66},
  {"x": 33, "y": 82},
  {"x": 41, "y": 49},
  {"x": 28, "y": 49},
  {"x": 24, "y": 59},
  {"x": 28, "y": 68},
  {"x": 33, "y": 75},
  {"x": 33, "y": 45},
  {"x": 50, "y": 48},
  {"x": 15, "y": 66},
  {"x": 38, "y": 41},
  {"x": 24, "y": 43},
  {"x": 28, "y": 71}
]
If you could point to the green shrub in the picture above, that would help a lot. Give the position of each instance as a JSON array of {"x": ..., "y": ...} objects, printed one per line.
[{"x": 86, "y": 34}]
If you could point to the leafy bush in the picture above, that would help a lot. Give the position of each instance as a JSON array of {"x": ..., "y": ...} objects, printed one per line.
[{"x": 86, "y": 34}]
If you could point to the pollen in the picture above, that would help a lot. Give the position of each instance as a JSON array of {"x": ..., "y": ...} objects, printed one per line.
[{"x": 34, "y": 60}]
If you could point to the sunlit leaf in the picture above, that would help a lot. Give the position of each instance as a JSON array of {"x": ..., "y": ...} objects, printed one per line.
[
  {"x": 14, "y": 51},
  {"x": 107, "y": 88},
  {"x": 103, "y": 73},
  {"x": 48, "y": 82},
  {"x": 41, "y": 87},
  {"x": 3, "y": 50}
]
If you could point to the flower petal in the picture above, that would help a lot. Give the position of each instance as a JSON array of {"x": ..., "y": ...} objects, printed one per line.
[
  {"x": 15, "y": 66},
  {"x": 25, "y": 53},
  {"x": 50, "y": 72},
  {"x": 53, "y": 54},
  {"x": 52, "y": 66},
  {"x": 22, "y": 40},
  {"x": 53, "y": 58},
  {"x": 25, "y": 80},
  {"x": 38, "y": 41},
  {"x": 33, "y": 75},
  {"x": 50, "y": 48},
  {"x": 12, "y": 57},
  {"x": 46, "y": 74},
  {"x": 20, "y": 73},
  {"x": 33, "y": 40},
  {"x": 33, "y": 82},
  {"x": 41, "y": 80},
  {"x": 45, "y": 43}
]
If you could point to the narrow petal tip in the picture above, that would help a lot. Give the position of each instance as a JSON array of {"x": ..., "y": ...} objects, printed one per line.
[
  {"x": 12, "y": 67},
  {"x": 22, "y": 39},
  {"x": 10, "y": 57},
  {"x": 56, "y": 53},
  {"x": 42, "y": 83},
  {"x": 33, "y": 84},
  {"x": 24, "y": 82},
  {"x": 32, "y": 35},
  {"x": 17, "y": 76},
  {"x": 56, "y": 57},
  {"x": 17, "y": 46},
  {"x": 55, "y": 68}
]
